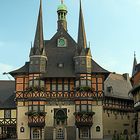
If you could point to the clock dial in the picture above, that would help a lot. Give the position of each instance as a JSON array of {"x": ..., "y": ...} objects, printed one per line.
[{"x": 61, "y": 42}]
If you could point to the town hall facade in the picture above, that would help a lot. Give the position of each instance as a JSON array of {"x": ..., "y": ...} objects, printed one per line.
[{"x": 62, "y": 93}]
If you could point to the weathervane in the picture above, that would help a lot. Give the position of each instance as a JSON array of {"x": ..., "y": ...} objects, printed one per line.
[{"x": 62, "y": 1}]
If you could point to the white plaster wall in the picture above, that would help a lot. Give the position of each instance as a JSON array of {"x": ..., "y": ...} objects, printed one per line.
[
  {"x": 111, "y": 124},
  {"x": 97, "y": 121},
  {"x": 22, "y": 121}
]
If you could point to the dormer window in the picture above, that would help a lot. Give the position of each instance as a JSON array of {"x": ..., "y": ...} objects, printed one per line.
[
  {"x": 110, "y": 89},
  {"x": 60, "y": 65}
]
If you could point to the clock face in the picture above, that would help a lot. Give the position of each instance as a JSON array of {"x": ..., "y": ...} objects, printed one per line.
[{"x": 61, "y": 42}]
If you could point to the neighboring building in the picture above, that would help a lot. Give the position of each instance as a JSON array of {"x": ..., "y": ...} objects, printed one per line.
[
  {"x": 7, "y": 110},
  {"x": 118, "y": 106},
  {"x": 62, "y": 93},
  {"x": 136, "y": 93}
]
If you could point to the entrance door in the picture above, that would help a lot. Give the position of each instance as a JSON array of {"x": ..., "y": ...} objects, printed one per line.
[{"x": 60, "y": 123}]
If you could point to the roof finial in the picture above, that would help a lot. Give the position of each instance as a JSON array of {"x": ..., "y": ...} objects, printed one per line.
[
  {"x": 62, "y": 1},
  {"x": 80, "y": 3},
  {"x": 134, "y": 54}
]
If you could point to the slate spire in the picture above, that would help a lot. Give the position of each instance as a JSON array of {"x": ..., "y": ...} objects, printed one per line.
[
  {"x": 134, "y": 64},
  {"x": 82, "y": 41},
  {"x": 38, "y": 40}
]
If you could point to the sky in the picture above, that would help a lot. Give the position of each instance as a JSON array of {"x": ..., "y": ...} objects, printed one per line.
[{"x": 112, "y": 28}]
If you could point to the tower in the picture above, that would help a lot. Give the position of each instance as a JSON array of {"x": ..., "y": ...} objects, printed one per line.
[
  {"x": 83, "y": 53},
  {"x": 38, "y": 58},
  {"x": 62, "y": 12},
  {"x": 56, "y": 89},
  {"x": 134, "y": 65}
]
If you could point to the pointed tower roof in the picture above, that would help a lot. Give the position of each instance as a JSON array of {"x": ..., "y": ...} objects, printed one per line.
[
  {"x": 31, "y": 50},
  {"x": 134, "y": 64},
  {"x": 82, "y": 42},
  {"x": 38, "y": 41}
]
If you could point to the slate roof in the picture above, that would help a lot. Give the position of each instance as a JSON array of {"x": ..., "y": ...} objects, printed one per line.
[
  {"x": 55, "y": 57},
  {"x": 60, "y": 55},
  {"x": 119, "y": 86},
  {"x": 7, "y": 94},
  {"x": 138, "y": 67},
  {"x": 135, "y": 88},
  {"x": 96, "y": 68},
  {"x": 23, "y": 70}
]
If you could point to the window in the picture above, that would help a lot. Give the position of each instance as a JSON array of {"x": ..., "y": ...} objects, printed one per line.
[
  {"x": 53, "y": 87},
  {"x": 42, "y": 108},
  {"x": 36, "y": 134},
  {"x": 89, "y": 108},
  {"x": 77, "y": 83},
  {"x": 59, "y": 87},
  {"x": 36, "y": 83},
  {"x": 30, "y": 108},
  {"x": 60, "y": 65},
  {"x": 83, "y": 82},
  {"x": 83, "y": 62},
  {"x": 110, "y": 89},
  {"x": 84, "y": 108},
  {"x": 66, "y": 87},
  {"x": 98, "y": 129},
  {"x": 30, "y": 83},
  {"x": 42, "y": 83},
  {"x": 89, "y": 83},
  {"x": 60, "y": 134},
  {"x": 7, "y": 114},
  {"x": 35, "y": 108},
  {"x": 84, "y": 132},
  {"x": 77, "y": 108}
]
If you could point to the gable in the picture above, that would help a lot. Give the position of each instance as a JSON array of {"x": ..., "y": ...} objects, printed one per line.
[{"x": 60, "y": 56}]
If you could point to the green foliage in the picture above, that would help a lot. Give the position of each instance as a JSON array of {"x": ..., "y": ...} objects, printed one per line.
[
  {"x": 35, "y": 89},
  {"x": 84, "y": 113},
  {"x": 86, "y": 89},
  {"x": 35, "y": 113}
]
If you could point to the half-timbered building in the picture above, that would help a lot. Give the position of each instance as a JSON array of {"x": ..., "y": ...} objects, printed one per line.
[
  {"x": 62, "y": 93},
  {"x": 7, "y": 110},
  {"x": 135, "y": 92}
]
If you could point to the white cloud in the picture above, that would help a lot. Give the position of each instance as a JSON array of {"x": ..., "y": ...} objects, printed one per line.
[{"x": 5, "y": 68}]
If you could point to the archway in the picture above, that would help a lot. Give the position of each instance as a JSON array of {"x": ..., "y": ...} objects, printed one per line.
[{"x": 60, "y": 117}]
